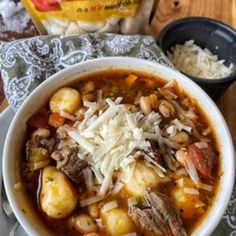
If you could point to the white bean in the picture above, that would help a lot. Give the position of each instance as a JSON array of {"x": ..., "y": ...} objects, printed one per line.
[
  {"x": 80, "y": 113},
  {"x": 153, "y": 101},
  {"x": 181, "y": 138},
  {"x": 93, "y": 210},
  {"x": 45, "y": 133},
  {"x": 145, "y": 105},
  {"x": 88, "y": 87},
  {"x": 85, "y": 224},
  {"x": 74, "y": 29},
  {"x": 181, "y": 156},
  {"x": 91, "y": 27},
  {"x": 166, "y": 108}
]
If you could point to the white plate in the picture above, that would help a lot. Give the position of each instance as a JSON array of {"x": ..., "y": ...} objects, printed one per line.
[{"x": 8, "y": 226}]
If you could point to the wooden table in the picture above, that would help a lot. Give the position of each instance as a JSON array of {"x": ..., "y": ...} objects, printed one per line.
[
  {"x": 223, "y": 10},
  {"x": 169, "y": 10}
]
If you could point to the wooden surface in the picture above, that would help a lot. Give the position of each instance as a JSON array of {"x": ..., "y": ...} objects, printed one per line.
[
  {"x": 223, "y": 10},
  {"x": 169, "y": 10}
]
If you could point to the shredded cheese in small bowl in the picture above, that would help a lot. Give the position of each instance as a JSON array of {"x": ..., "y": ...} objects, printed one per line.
[{"x": 195, "y": 61}]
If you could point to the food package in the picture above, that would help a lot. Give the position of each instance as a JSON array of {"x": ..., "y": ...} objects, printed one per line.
[{"x": 68, "y": 17}]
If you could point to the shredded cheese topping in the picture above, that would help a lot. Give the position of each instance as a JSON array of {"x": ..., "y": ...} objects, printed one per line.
[{"x": 112, "y": 138}]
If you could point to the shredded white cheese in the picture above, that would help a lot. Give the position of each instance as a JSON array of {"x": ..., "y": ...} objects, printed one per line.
[
  {"x": 206, "y": 187},
  {"x": 99, "y": 223},
  {"x": 200, "y": 204},
  {"x": 198, "y": 62},
  {"x": 109, "y": 206},
  {"x": 180, "y": 126},
  {"x": 117, "y": 188},
  {"x": 128, "y": 173},
  {"x": 91, "y": 200},
  {"x": 132, "y": 202},
  {"x": 189, "y": 166},
  {"x": 201, "y": 145},
  {"x": 67, "y": 116},
  {"x": 206, "y": 131},
  {"x": 171, "y": 130},
  {"x": 113, "y": 137},
  {"x": 82, "y": 141},
  {"x": 191, "y": 191}
]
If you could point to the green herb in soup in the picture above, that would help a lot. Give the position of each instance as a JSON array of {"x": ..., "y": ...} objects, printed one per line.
[{"x": 121, "y": 153}]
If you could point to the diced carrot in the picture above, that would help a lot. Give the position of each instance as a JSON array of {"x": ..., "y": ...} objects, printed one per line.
[
  {"x": 151, "y": 83},
  {"x": 56, "y": 120},
  {"x": 130, "y": 80},
  {"x": 38, "y": 120}
]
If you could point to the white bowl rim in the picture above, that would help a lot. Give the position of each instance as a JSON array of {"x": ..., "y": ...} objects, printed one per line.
[{"x": 211, "y": 225}]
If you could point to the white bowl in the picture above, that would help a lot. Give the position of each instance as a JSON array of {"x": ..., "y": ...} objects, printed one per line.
[{"x": 15, "y": 138}]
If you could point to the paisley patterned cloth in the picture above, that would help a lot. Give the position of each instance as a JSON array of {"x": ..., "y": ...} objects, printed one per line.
[{"x": 26, "y": 63}]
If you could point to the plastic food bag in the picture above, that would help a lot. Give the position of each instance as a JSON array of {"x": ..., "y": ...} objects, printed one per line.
[{"x": 68, "y": 17}]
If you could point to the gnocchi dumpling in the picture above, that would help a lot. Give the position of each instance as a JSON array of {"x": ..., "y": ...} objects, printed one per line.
[
  {"x": 65, "y": 99},
  {"x": 57, "y": 196},
  {"x": 188, "y": 203},
  {"x": 73, "y": 28},
  {"x": 117, "y": 222},
  {"x": 143, "y": 177},
  {"x": 91, "y": 27}
]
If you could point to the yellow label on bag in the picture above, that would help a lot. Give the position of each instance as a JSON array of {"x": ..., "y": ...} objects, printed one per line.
[{"x": 85, "y": 10}]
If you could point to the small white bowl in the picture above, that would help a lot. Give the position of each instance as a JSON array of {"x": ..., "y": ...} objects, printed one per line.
[{"x": 13, "y": 150}]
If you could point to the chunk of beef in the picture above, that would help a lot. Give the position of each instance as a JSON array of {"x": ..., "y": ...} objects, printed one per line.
[
  {"x": 164, "y": 206},
  {"x": 69, "y": 162},
  {"x": 39, "y": 139},
  {"x": 160, "y": 221},
  {"x": 159, "y": 217},
  {"x": 145, "y": 219}
]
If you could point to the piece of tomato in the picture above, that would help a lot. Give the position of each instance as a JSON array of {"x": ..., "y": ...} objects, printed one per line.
[
  {"x": 38, "y": 120},
  {"x": 46, "y": 5},
  {"x": 203, "y": 159}
]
